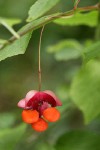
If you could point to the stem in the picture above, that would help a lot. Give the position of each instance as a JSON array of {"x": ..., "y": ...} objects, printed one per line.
[
  {"x": 89, "y": 8},
  {"x": 39, "y": 59},
  {"x": 75, "y": 7}
]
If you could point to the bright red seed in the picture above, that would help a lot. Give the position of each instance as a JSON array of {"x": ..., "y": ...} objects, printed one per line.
[
  {"x": 51, "y": 114},
  {"x": 40, "y": 126},
  {"x": 30, "y": 116}
]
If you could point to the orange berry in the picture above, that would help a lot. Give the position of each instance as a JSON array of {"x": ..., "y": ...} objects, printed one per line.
[
  {"x": 30, "y": 116},
  {"x": 40, "y": 126},
  {"x": 51, "y": 114}
]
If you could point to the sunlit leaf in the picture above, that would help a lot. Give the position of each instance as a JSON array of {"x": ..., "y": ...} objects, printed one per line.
[
  {"x": 78, "y": 140},
  {"x": 40, "y": 7},
  {"x": 89, "y": 19},
  {"x": 85, "y": 90}
]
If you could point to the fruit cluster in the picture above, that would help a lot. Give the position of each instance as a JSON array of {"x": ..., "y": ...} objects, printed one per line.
[
  {"x": 39, "y": 108},
  {"x": 40, "y": 124}
]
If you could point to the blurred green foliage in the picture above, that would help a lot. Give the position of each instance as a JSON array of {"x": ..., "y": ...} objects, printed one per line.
[
  {"x": 68, "y": 47},
  {"x": 80, "y": 19}
]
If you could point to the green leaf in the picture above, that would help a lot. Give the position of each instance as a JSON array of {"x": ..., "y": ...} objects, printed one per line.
[
  {"x": 91, "y": 51},
  {"x": 10, "y": 137},
  {"x": 8, "y": 23},
  {"x": 85, "y": 90},
  {"x": 78, "y": 140},
  {"x": 89, "y": 19},
  {"x": 17, "y": 47},
  {"x": 66, "y": 50},
  {"x": 40, "y": 7}
]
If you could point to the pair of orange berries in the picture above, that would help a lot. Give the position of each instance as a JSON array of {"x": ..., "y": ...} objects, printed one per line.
[{"x": 50, "y": 114}]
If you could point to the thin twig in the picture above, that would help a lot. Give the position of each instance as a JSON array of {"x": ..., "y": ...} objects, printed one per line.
[
  {"x": 76, "y": 5},
  {"x": 39, "y": 59}
]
